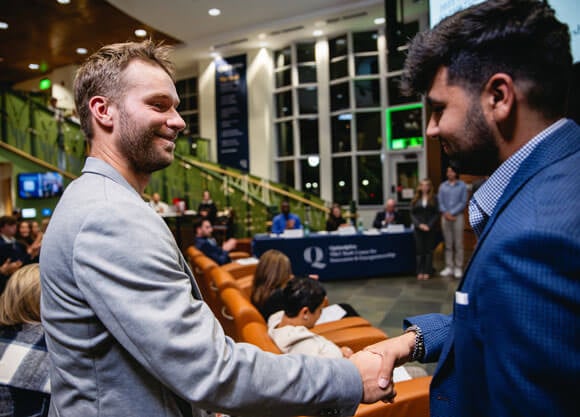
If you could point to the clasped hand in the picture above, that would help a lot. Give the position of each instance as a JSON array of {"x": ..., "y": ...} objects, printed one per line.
[{"x": 376, "y": 363}]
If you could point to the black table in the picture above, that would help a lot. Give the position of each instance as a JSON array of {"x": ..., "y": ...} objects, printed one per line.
[{"x": 333, "y": 256}]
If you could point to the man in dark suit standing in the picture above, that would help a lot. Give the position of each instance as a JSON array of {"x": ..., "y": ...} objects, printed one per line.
[{"x": 496, "y": 79}]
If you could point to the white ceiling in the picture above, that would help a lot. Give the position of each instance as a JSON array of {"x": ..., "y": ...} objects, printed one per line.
[{"x": 241, "y": 21}]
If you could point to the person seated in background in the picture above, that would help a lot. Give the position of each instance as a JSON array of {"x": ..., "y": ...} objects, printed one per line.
[
  {"x": 32, "y": 243},
  {"x": 285, "y": 220},
  {"x": 207, "y": 244},
  {"x": 24, "y": 384},
  {"x": 303, "y": 300},
  {"x": 272, "y": 274},
  {"x": 13, "y": 253},
  {"x": 158, "y": 205},
  {"x": 388, "y": 216},
  {"x": 335, "y": 219},
  {"x": 207, "y": 207}
]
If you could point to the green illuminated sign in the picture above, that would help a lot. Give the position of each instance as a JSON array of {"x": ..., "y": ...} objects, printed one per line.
[
  {"x": 44, "y": 84},
  {"x": 404, "y": 124}
]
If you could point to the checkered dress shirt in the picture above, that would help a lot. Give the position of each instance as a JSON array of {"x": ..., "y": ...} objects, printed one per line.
[{"x": 483, "y": 202}]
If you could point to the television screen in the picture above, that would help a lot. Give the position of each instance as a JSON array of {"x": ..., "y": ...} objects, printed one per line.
[
  {"x": 28, "y": 213},
  {"x": 39, "y": 185}
]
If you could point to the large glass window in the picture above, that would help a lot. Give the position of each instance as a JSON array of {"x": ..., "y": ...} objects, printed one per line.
[
  {"x": 284, "y": 104},
  {"x": 367, "y": 93},
  {"x": 283, "y": 78},
  {"x": 188, "y": 106},
  {"x": 308, "y": 136},
  {"x": 338, "y": 68},
  {"x": 339, "y": 96},
  {"x": 342, "y": 179},
  {"x": 364, "y": 41},
  {"x": 308, "y": 100},
  {"x": 370, "y": 179},
  {"x": 310, "y": 172},
  {"x": 338, "y": 46},
  {"x": 341, "y": 133},
  {"x": 285, "y": 134},
  {"x": 307, "y": 73},
  {"x": 286, "y": 172},
  {"x": 305, "y": 52},
  {"x": 368, "y": 131}
]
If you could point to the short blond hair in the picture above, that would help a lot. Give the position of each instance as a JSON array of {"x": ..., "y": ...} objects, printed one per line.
[
  {"x": 101, "y": 74},
  {"x": 20, "y": 301}
]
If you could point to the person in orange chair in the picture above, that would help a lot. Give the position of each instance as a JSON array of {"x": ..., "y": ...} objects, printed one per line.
[
  {"x": 272, "y": 274},
  {"x": 303, "y": 300},
  {"x": 208, "y": 245}
]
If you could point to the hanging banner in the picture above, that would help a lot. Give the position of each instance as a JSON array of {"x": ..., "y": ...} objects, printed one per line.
[{"x": 231, "y": 100}]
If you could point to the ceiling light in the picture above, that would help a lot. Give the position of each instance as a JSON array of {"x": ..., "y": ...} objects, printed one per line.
[
  {"x": 140, "y": 32},
  {"x": 33, "y": 66},
  {"x": 3, "y": 25},
  {"x": 317, "y": 33},
  {"x": 262, "y": 36},
  {"x": 82, "y": 51},
  {"x": 214, "y": 12},
  {"x": 379, "y": 20},
  {"x": 63, "y": 1}
]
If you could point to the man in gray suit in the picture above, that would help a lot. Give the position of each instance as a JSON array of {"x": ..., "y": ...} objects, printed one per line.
[{"x": 125, "y": 335}]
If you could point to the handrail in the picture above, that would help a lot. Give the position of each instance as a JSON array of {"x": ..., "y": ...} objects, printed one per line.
[
  {"x": 267, "y": 185},
  {"x": 36, "y": 160}
]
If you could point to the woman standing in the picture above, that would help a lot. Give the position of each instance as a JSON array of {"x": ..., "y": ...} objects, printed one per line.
[{"x": 424, "y": 214}]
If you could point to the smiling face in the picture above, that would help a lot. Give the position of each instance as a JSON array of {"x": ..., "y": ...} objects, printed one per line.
[
  {"x": 148, "y": 119},
  {"x": 457, "y": 120}
]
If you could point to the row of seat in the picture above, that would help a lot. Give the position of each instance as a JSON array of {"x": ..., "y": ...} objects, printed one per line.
[{"x": 227, "y": 289}]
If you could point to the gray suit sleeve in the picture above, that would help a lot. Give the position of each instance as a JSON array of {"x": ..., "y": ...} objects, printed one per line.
[{"x": 129, "y": 270}]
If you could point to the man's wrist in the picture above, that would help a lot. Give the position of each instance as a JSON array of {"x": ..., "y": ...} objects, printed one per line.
[{"x": 418, "y": 349}]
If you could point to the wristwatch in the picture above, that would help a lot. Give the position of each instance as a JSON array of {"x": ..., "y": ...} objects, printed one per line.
[{"x": 419, "y": 348}]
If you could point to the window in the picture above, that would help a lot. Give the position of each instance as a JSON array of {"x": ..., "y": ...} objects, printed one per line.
[
  {"x": 285, "y": 135},
  {"x": 188, "y": 106}
]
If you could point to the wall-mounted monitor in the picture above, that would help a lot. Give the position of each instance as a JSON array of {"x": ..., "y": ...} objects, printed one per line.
[
  {"x": 405, "y": 127},
  {"x": 28, "y": 213},
  {"x": 567, "y": 11},
  {"x": 34, "y": 185}
]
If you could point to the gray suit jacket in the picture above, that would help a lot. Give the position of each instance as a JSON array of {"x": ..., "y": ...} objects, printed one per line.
[{"x": 126, "y": 337}]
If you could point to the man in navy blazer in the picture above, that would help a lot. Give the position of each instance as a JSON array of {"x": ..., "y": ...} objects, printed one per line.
[{"x": 496, "y": 78}]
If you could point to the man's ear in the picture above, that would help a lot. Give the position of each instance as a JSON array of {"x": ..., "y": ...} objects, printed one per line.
[
  {"x": 304, "y": 312},
  {"x": 500, "y": 96},
  {"x": 101, "y": 111}
]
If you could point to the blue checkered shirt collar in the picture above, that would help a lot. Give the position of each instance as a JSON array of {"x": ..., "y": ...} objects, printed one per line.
[{"x": 483, "y": 202}]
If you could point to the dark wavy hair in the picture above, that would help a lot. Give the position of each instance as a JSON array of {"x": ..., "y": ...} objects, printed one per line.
[
  {"x": 521, "y": 38},
  {"x": 302, "y": 292}
]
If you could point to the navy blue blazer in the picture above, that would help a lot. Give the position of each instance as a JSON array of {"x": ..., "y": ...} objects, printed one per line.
[{"x": 512, "y": 346}]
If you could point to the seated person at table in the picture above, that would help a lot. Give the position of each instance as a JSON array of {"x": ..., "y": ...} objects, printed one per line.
[
  {"x": 272, "y": 274},
  {"x": 388, "y": 216},
  {"x": 335, "y": 219},
  {"x": 285, "y": 220},
  {"x": 158, "y": 205},
  {"x": 24, "y": 380},
  {"x": 303, "y": 300},
  {"x": 207, "y": 207},
  {"x": 208, "y": 245}
]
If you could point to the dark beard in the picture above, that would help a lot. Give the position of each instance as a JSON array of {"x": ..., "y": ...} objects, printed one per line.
[{"x": 482, "y": 158}]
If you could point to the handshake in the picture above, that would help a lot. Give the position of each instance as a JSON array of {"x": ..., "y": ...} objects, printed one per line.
[{"x": 376, "y": 363}]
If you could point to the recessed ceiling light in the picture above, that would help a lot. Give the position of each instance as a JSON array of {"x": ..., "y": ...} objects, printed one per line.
[
  {"x": 140, "y": 32},
  {"x": 262, "y": 36},
  {"x": 82, "y": 51},
  {"x": 379, "y": 20},
  {"x": 3, "y": 25},
  {"x": 317, "y": 33},
  {"x": 214, "y": 12},
  {"x": 33, "y": 66},
  {"x": 63, "y": 1}
]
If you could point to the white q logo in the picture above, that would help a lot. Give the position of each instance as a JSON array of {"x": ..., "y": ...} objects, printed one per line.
[{"x": 314, "y": 255}]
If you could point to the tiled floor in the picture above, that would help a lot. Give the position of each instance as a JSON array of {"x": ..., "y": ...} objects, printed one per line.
[{"x": 386, "y": 301}]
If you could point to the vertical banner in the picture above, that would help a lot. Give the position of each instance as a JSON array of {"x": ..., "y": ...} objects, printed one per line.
[{"x": 231, "y": 100}]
